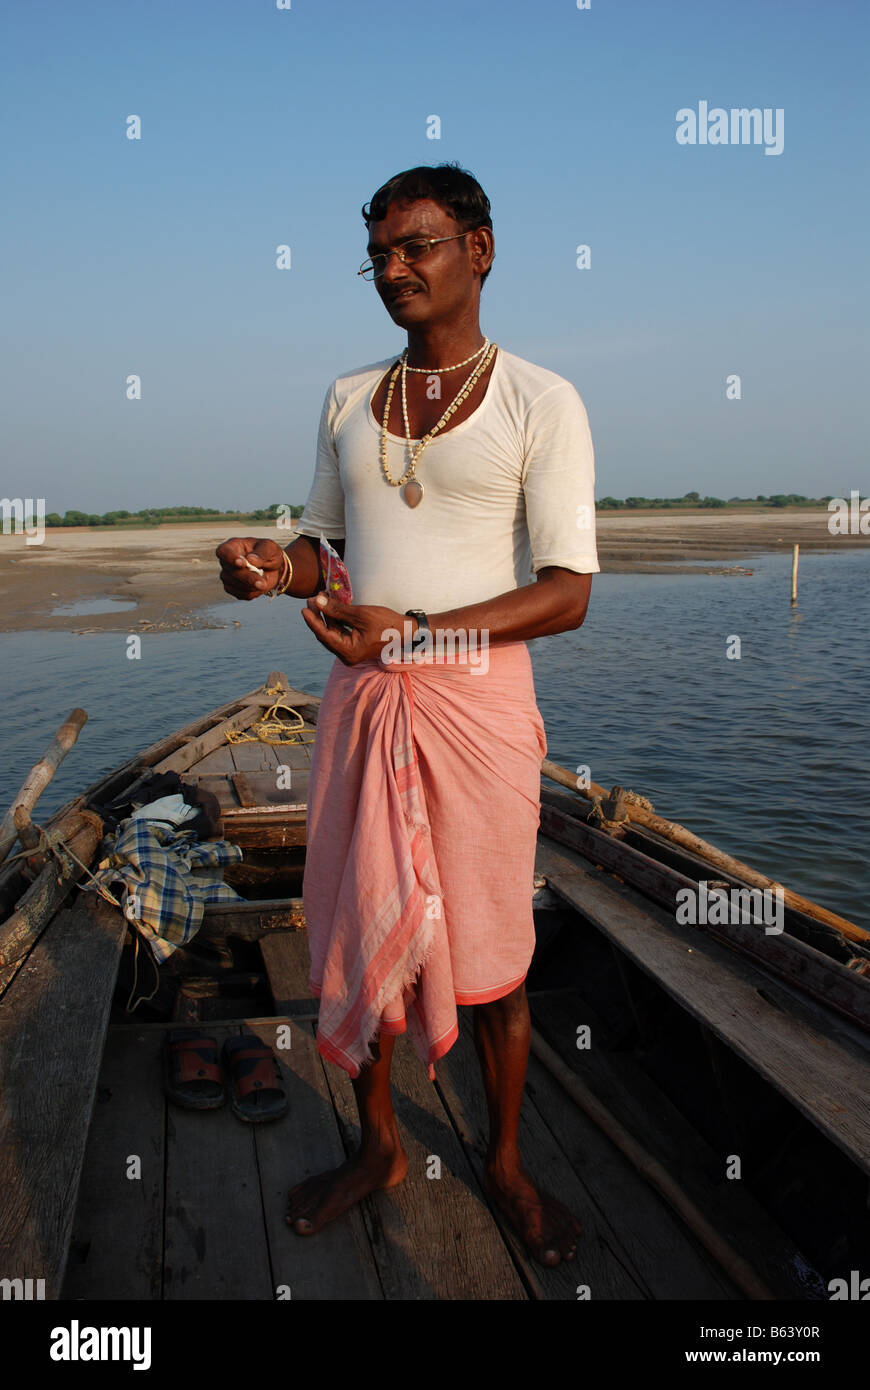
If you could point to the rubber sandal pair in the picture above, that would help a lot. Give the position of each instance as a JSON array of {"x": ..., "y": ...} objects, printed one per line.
[{"x": 194, "y": 1079}]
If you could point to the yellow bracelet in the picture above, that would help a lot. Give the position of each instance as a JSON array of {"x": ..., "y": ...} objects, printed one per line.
[
  {"x": 286, "y": 580},
  {"x": 289, "y": 580},
  {"x": 273, "y": 593}
]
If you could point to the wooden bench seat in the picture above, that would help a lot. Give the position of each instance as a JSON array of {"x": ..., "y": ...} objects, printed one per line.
[{"x": 814, "y": 1059}]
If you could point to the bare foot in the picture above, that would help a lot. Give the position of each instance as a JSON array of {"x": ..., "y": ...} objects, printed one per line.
[
  {"x": 546, "y": 1228},
  {"x": 327, "y": 1195}
]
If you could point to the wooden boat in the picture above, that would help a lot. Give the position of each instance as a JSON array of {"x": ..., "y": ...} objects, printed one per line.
[{"x": 699, "y": 1097}]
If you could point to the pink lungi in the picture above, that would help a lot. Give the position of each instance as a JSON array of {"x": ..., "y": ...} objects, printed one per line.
[{"x": 424, "y": 806}]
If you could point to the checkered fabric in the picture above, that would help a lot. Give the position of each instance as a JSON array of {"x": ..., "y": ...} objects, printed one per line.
[{"x": 168, "y": 876}]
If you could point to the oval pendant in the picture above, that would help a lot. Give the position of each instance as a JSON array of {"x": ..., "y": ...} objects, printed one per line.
[{"x": 413, "y": 492}]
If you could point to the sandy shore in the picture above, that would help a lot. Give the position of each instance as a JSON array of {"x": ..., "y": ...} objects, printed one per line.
[{"x": 170, "y": 572}]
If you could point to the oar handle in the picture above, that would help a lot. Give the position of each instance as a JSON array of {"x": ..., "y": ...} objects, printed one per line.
[{"x": 39, "y": 777}]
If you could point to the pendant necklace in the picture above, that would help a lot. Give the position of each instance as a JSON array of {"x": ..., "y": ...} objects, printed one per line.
[{"x": 412, "y": 488}]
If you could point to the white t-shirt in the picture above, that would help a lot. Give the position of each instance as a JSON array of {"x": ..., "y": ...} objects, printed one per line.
[{"x": 507, "y": 491}]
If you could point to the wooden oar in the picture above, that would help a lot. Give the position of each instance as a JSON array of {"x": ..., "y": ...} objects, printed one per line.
[
  {"x": 681, "y": 836},
  {"x": 40, "y": 776}
]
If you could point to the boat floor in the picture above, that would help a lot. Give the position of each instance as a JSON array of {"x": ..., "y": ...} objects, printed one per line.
[{"x": 201, "y": 1215}]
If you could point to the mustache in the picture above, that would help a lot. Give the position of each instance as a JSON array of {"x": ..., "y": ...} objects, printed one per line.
[{"x": 401, "y": 290}]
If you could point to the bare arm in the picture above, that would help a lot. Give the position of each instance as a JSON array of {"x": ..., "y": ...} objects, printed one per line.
[{"x": 557, "y": 602}]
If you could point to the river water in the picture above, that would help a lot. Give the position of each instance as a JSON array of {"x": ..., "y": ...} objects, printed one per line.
[{"x": 766, "y": 755}]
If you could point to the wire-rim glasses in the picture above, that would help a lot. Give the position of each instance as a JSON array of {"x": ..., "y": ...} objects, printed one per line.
[{"x": 408, "y": 253}]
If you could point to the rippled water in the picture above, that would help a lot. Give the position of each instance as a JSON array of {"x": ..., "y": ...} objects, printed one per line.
[{"x": 767, "y": 756}]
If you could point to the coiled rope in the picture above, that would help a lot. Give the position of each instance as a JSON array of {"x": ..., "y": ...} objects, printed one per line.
[{"x": 270, "y": 729}]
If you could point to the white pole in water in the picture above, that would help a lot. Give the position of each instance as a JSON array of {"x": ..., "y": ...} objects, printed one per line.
[{"x": 794, "y": 570}]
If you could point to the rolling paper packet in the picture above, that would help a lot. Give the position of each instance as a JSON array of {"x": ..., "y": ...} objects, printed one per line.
[{"x": 338, "y": 583}]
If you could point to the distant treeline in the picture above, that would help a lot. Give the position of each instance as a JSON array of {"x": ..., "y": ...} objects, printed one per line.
[
  {"x": 692, "y": 500},
  {"x": 157, "y": 516}
]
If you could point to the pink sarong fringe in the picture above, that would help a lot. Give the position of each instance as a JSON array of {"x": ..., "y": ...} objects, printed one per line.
[{"x": 424, "y": 804}]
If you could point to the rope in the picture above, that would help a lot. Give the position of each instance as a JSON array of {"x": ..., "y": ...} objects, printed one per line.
[
  {"x": 45, "y": 845},
  {"x": 620, "y": 797},
  {"x": 143, "y": 999},
  {"x": 597, "y": 817},
  {"x": 270, "y": 729},
  {"x": 134, "y": 923},
  {"x": 58, "y": 848},
  {"x": 636, "y": 799}
]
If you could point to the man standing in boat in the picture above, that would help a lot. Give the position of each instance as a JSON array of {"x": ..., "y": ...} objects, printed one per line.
[{"x": 445, "y": 479}]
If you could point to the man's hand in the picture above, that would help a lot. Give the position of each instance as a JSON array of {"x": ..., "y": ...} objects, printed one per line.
[
  {"x": 237, "y": 578},
  {"x": 366, "y": 627}
]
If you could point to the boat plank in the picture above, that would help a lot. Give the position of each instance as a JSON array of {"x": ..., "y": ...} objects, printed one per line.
[
  {"x": 431, "y": 1238},
  {"x": 786, "y": 955},
  {"x": 39, "y": 904},
  {"x": 338, "y": 1263},
  {"x": 197, "y": 748},
  {"x": 648, "y": 1257},
  {"x": 219, "y": 784},
  {"x": 212, "y": 1197},
  {"x": 825, "y": 1077},
  {"x": 261, "y": 830},
  {"x": 810, "y": 1012},
  {"x": 219, "y": 762},
  {"x": 287, "y": 968},
  {"x": 639, "y": 1104},
  {"x": 261, "y": 790},
  {"x": 52, "y": 1030},
  {"x": 256, "y": 788},
  {"x": 254, "y": 756},
  {"x": 117, "y": 1238},
  {"x": 252, "y": 920}
]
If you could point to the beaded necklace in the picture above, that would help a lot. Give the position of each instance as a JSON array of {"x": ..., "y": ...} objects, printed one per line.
[{"x": 412, "y": 488}]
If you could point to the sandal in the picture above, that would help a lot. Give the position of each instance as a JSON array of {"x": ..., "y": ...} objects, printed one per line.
[
  {"x": 256, "y": 1089},
  {"x": 192, "y": 1076}
]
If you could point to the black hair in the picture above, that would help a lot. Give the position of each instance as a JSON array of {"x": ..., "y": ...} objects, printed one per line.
[{"x": 449, "y": 185}]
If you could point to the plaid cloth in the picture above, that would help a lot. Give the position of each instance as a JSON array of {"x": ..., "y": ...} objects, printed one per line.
[{"x": 171, "y": 876}]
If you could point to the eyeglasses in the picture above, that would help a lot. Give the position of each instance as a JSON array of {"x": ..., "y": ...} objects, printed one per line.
[{"x": 408, "y": 253}]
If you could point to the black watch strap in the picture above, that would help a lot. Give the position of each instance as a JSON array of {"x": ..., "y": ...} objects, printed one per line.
[{"x": 423, "y": 626}]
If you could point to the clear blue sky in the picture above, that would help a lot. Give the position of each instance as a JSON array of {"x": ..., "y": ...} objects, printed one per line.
[{"x": 263, "y": 126}]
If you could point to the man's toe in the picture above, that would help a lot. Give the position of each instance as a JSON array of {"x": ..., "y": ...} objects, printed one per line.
[{"x": 300, "y": 1201}]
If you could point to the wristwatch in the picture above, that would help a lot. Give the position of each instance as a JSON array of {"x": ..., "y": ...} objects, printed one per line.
[{"x": 423, "y": 627}]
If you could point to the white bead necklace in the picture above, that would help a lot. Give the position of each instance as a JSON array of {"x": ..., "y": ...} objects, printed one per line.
[
  {"x": 436, "y": 371},
  {"x": 412, "y": 488}
]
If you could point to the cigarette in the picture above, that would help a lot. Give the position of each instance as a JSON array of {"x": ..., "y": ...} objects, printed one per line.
[{"x": 254, "y": 567}]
